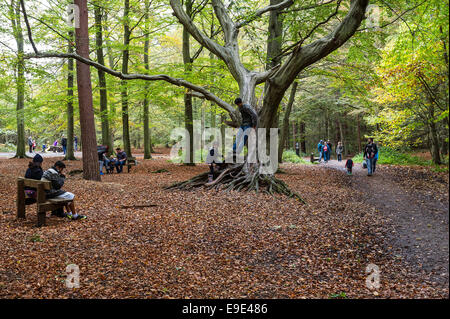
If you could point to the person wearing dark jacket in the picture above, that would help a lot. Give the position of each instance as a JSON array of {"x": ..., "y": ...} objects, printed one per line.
[
  {"x": 121, "y": 159},
  {"x": 34, "y": 170},
  {"x": 249, "y": 121},
  {"x": 102, "y": 159},
  {"x": 64, "y": 144},
  {"x": 370, "y": 152},
  {"x": 57, "y": 179}
]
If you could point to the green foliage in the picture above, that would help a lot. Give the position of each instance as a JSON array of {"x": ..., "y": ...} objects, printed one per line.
[
  {"x": 387, "y": 155},
  {"x": 8, "y": 147},
  {"x": 289, "y": 156}
]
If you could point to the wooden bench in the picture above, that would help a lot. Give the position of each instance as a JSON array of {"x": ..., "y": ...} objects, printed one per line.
[
  {"x": 313, "y": 159},
  {"x": 55, "y": 149},
  {"x": 131, "y": 161},
  {"x": 43, "y": 204}
]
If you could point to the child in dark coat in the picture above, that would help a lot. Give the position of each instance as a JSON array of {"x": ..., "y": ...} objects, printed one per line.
[{"x": 349, "y": 165}]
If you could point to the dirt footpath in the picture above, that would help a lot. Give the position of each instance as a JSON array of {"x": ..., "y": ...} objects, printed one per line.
[{"x": 416, "y": 204}]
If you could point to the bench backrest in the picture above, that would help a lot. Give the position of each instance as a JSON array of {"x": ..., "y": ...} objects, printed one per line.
[
  {"x": 28, "y": 182},
  {"x": 40, "y": 186}
]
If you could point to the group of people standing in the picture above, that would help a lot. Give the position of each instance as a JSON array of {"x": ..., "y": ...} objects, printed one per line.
[
  {"x": 370, "y": 155},
  {"x": 46, "y": 147},
  {"x": 324, "y": 149}
]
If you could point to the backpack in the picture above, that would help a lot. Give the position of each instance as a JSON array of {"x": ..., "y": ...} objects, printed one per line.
[{"x": 370, "y": 149}]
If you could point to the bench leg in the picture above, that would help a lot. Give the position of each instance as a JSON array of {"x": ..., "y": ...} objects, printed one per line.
[
  {"x": 41, "y": 218},
  {"x": 20, "y": 199}
]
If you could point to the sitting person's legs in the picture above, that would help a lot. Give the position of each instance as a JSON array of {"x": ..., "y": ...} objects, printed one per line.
[{"x": 70, "y": 207}]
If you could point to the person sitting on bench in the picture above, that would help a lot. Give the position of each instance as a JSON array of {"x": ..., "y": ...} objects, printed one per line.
[
  {"x": 110, "y": 165},
  {"x": 121, "y": 159},
  {"x": 57, "y": 178},
  {"x": 34, "y": 171}
]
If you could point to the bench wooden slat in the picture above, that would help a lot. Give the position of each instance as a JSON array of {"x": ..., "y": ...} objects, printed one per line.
[
  {"x": 58, "y": 200},
  {"x": 28, "y": 182}
]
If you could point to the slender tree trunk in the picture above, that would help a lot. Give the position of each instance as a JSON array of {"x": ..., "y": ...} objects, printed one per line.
[
  {"x": 147, "y": 137},
  {"x": 20, "y": 79},
  {"x": 341, "y": 133},
  {"x": 88, "y": 136},
  {"x": 112, "y": 107},
  {"x": 70, "y": 79},
  {"x": 188, "y": 116},
  {"x": 303, "y": 136},
  {"x": 222, "y": 131},
  {"x": 358, "y": 126},
  {"x": 285, "y": 129},
  {"x": 294, "y": 134},
  {"x": 106, "y": 140},
  {"x": 436, "y": 156},
  {"x": 124, "y": 84}
]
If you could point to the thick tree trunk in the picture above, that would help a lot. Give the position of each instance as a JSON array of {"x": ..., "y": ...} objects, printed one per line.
[
  {"x": 88, "y": 136},
  {"x": 188, "y": 112},
  {"x": 106, "y": 138},
  {"x": 20, "y": 79},
  {"x": 147, "y": 137},
  {"x": 70, "y": 79},
  {"x": 285, "y": 129},
  {"x": 124, "y": 84}
]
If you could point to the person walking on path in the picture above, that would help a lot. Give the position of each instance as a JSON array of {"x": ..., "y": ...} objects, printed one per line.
[
  {"x": 329, "y": 149},
  {"x": 375, "y": 160},
  {"x": 349, "y": 165},
  {"x": 249, "y": 121},
  {"x": 326, "y": 152},
  {"x": 320, "y": 150},
  {"x": 64, "y": 144},
  {"x": 339, "y": 151},
  {"x": 297, "y": 149},
  {"x": 370, "y": 151},
  {"x": 30, "y": 144},
  {"x": 75, "y": 142}
]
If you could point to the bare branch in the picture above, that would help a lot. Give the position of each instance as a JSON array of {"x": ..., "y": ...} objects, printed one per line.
[
  {"x": 186, "y": 21},
  {"x": 282, "y": 5},
  {"x": 309, "y": 54},
  {"x": 230, "y": 32},
  {"x": 160, "y": 77},
  {"x": 28, "y": 26},
  {"x": 313, "y": 6},
  {"x": 302, "y": 40}
]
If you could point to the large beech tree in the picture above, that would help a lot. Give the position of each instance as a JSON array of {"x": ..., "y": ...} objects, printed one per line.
[{"x": 277, "y": 79}]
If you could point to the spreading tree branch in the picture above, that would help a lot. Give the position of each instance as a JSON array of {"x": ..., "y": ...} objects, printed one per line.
[{"x": 258, "y": 13}]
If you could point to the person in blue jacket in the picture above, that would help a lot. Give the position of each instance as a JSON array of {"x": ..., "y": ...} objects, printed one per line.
[
  {"x": 375, "y": 159},
  {"x": 320, "y": 150}
]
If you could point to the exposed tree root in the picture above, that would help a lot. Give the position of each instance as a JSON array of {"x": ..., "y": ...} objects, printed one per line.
[{"x": 239, "y": 177}]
